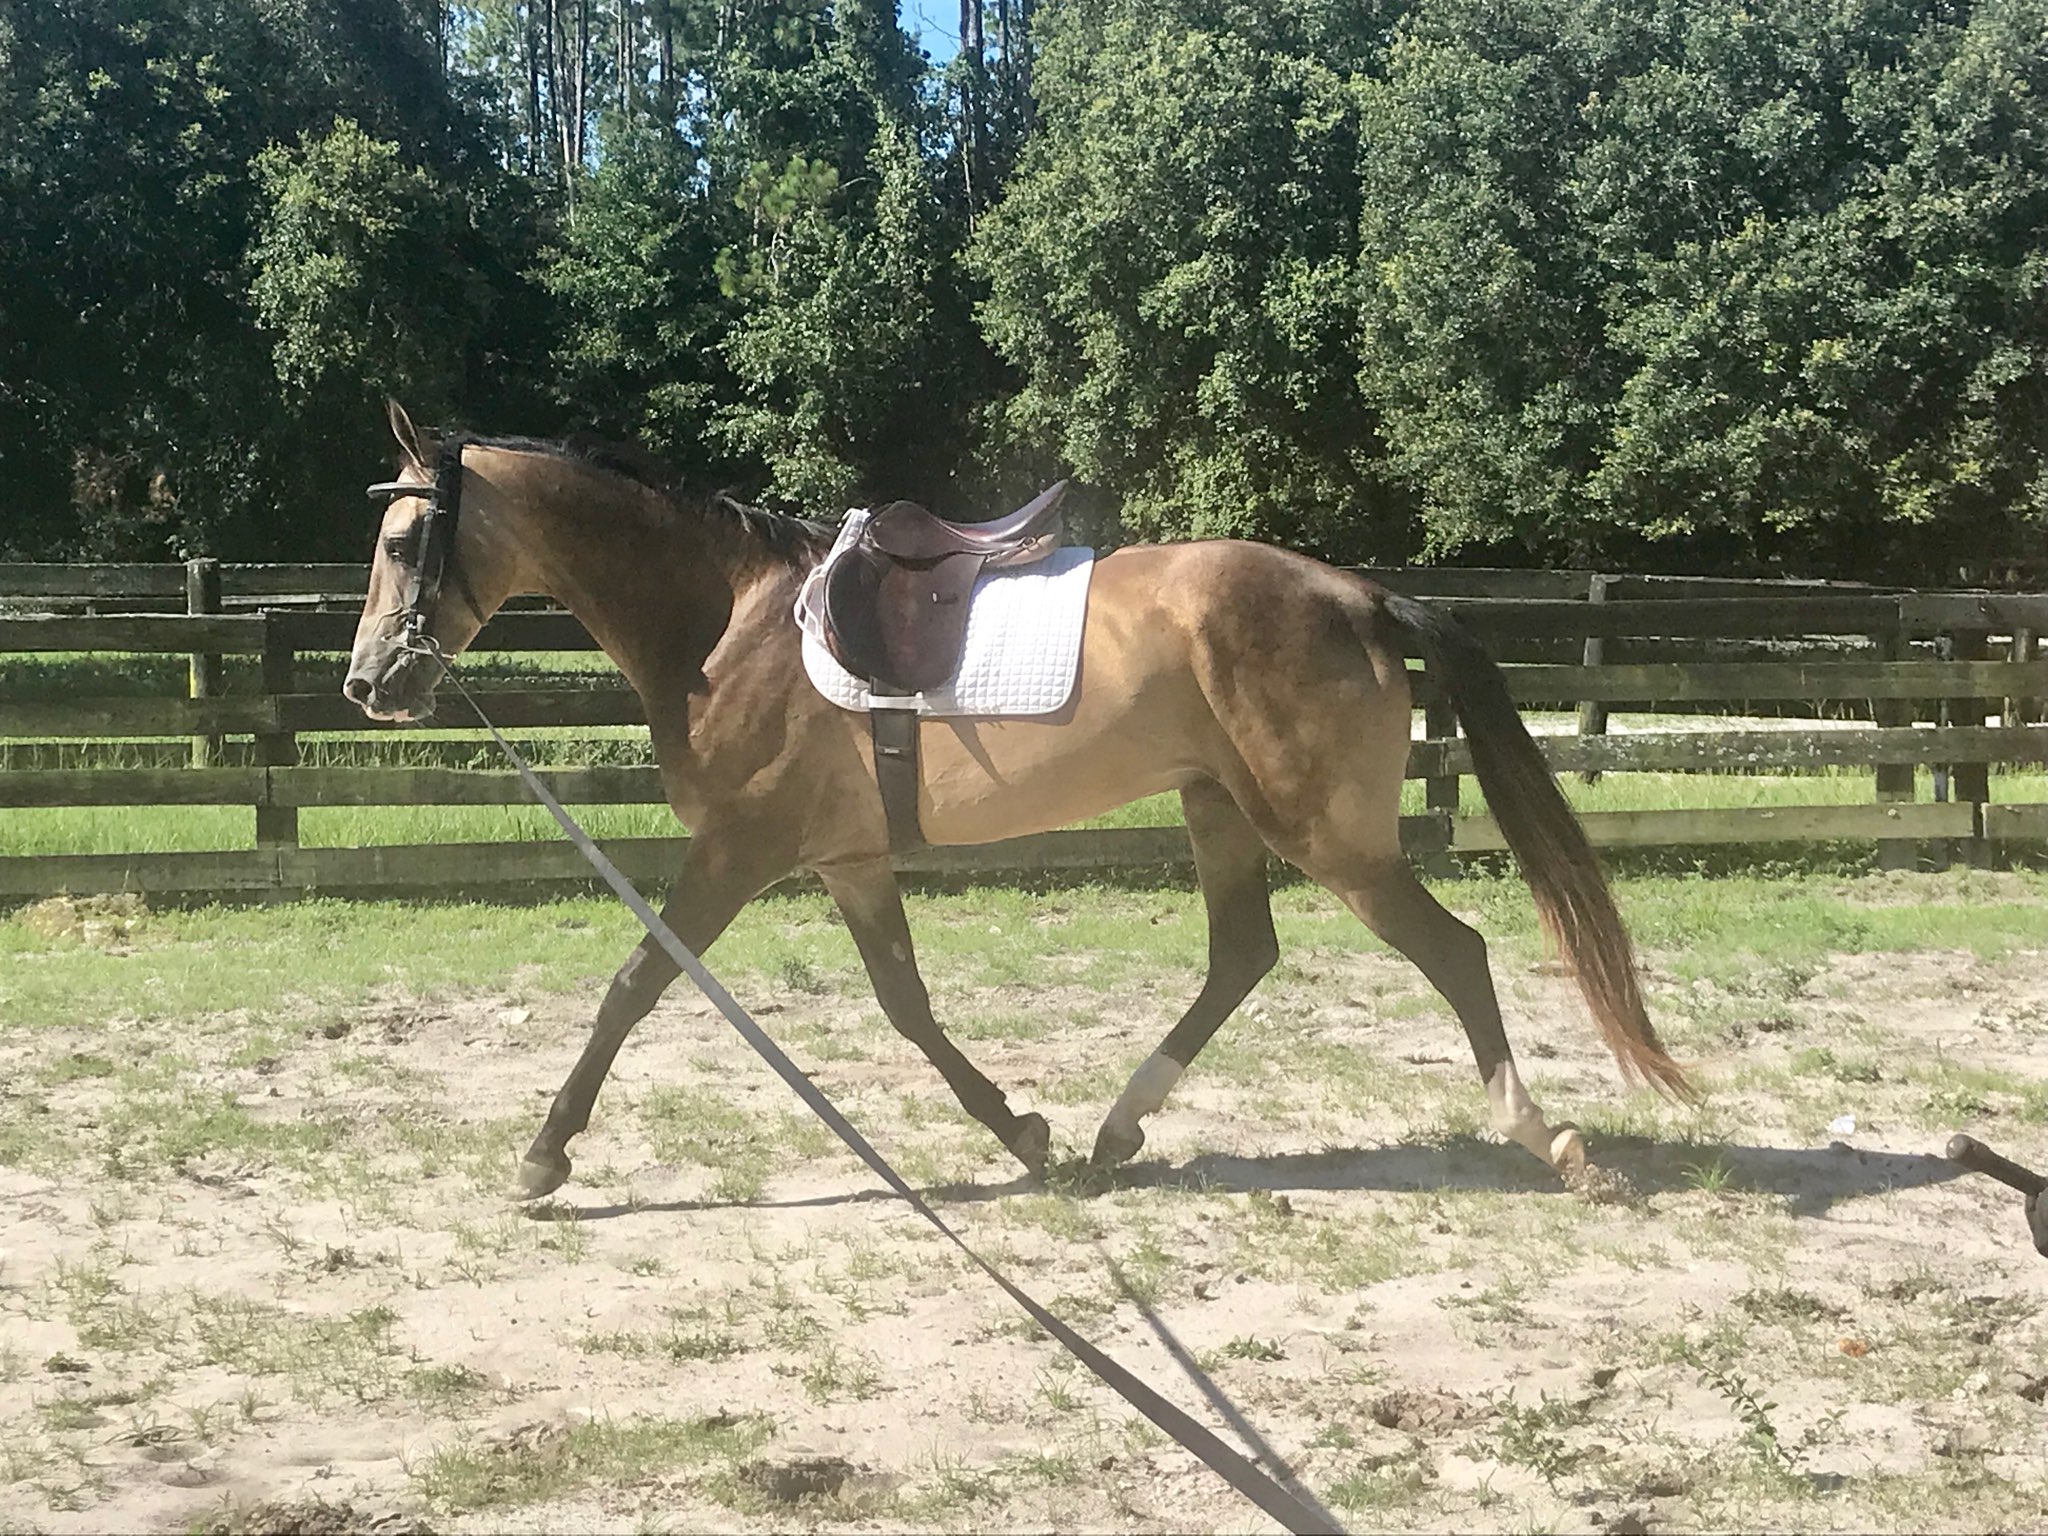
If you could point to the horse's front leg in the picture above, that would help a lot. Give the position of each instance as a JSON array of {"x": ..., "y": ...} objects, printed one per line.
[
  {"x": 868, "y": 898},
  {"x": 721, "y": 873}
]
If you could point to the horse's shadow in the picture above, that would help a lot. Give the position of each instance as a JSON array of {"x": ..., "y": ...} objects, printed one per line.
[{"x": 1810, "y": 1180}]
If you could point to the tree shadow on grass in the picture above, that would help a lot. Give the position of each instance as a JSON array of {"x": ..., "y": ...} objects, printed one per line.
[{"x": 1810, "y": 1179}]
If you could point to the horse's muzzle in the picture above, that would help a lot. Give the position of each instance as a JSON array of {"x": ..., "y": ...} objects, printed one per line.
[{"x": 402, "y": 689}]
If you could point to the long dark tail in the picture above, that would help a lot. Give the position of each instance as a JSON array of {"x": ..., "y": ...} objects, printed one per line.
[{"x": 1572, "y": 899}]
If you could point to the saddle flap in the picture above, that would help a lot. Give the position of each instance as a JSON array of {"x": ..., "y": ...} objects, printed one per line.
[{"x": 899, "y": 625}]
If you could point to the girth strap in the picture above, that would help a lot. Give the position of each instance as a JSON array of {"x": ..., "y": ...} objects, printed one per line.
[{"x": 897, "y": 773}]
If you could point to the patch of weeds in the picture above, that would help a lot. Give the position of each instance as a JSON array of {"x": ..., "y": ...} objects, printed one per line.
[
  {"x": 1759, "y": 1430},
  {"x": 78, "y": 1066},
  {"x": 1142, "y": 1273},
  {"x": 1055, "y": 1388},
  {"x": 568, "y": 1237},
  {"x": 1819, "y": 1061},
  {"x": 835, "y": 1373},
  {"x": 1382, "y": 1489},
  {"x": 352, "y": 1353},
  {"x": 1528, "y": 1436},
  {"x": 1785, "y": 1306},
  {"x": 1954, "y": 1105},
  {"x": 528, "y": 1469},
  {"x": 790, "y": 1324},
  {"x": 67, "y": 1413},
  {"x": 155, "y": 1133},
  {"x": 687, "y": 1340},
  {"x": 443, "y": 1389},
  {"x": 1498, "y": 1305},
  {"x": 744, "y": 1148},
  {"x": 954, "y": 1484},
  {"x": 1249, "y": 1347},
  {"x": 1047, "y": 1469},
  {"x": 796, "y": 973},
  {"x": 1059, "y": 1216},
  {"x": 1333, "y": 1255},
  {"x": 1710, "y": 1178},
  {"x": 1139, "y": 1434}
]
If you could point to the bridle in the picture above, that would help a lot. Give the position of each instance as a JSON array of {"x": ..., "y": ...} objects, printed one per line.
[{"x": 437, "y": 538}]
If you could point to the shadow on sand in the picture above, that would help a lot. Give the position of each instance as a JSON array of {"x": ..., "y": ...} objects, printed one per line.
[{"x": 1810, "y": 1179}]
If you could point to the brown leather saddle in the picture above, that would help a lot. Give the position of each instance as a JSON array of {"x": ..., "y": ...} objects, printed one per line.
[{"x": 894, "y": 602}]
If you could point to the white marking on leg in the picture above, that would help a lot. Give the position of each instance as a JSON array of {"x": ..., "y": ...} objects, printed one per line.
[
  {"x": 1515, "y": 1114},
  {"x": 1142, "y": 1095}
]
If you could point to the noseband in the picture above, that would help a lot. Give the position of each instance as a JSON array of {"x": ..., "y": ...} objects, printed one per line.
[{"x": 437, "y": 535}]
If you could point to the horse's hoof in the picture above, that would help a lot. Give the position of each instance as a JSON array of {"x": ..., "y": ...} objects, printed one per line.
[
  {"x": 1113, "y": 1148},
  {"x": 541, "y": 1173},
  {"x": 1568, "y": 1151},
  {"x": 1032, "y": 1144}
]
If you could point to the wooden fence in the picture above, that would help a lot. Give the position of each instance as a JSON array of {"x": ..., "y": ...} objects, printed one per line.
[{"x": 1926, "y": 670}]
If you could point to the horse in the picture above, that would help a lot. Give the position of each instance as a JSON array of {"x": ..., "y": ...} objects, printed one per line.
[{"x": 1269, "y": 689}]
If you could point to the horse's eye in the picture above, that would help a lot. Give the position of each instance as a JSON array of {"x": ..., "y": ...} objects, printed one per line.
[{"x": 401, "y": 546}]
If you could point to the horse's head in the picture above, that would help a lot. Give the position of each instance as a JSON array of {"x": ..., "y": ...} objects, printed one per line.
[{"x": 434, "y": 578}]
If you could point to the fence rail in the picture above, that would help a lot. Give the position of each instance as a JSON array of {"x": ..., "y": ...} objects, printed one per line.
[{"x": 1925, "y": 669}]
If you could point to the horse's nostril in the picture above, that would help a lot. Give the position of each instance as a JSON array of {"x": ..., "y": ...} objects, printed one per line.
[{"x": 356, "y": 690}]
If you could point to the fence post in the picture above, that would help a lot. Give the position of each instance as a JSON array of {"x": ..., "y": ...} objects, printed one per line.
[
  {"x": 202, "y": 595},
  {"x": 277, "y": 826},
  {"x": 1440, "y": 791},
  {"x": 1592, "y": 712},
  {"x": 1895, "y": 780},
  {"x": 2020, "y": 711},
  {"x": 1971, "y": 781}
]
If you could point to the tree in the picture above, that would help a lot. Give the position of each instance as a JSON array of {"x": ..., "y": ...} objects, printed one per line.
[
  {"x": 855, "y": 364},
  {"x": 1173, "y": 270},
  {"x": 139, "y": 413},
  {"x": 1712, "y": 282},
  {"x": 639, "y": 348}
]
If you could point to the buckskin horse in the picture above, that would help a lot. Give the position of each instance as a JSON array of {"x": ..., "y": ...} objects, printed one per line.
[{"x": 1268, "y": 689}]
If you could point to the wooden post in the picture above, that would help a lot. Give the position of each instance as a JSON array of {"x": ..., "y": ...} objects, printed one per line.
[
  {"x": 277, "y": 826},
  {"x": 1593, "y": 713},
  {"x": 2021, "y": 711},
  {"x": 1971, "y": 781},
  {"x": 202, "y": 595},
  {"x": 1440, "y": 791},
  {"x": 1895, "y": 780}
]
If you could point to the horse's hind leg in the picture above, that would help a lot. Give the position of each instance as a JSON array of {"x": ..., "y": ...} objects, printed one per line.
[
  {"x": 1390, "y": 901},
  {"x": 867, "y": 896},
  {"x": 1230, "y": 857}
]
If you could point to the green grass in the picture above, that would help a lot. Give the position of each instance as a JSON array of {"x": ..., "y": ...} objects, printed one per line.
[
  {"x": 1743, "y": 930},
  {"x": 190, "y": 829},
  {"x": 460, "y": 1479}
]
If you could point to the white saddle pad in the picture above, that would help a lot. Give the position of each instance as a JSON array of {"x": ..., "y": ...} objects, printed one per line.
[{"x": 1022, "y": 653}]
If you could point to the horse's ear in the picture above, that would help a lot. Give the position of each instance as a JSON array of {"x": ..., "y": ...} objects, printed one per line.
[{"x": 407, "y": 434}]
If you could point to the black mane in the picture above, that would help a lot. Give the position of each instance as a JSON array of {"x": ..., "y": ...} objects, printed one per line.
[{"x": 796, "y": 541}]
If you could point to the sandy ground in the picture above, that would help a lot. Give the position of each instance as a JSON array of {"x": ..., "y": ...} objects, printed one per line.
[{"x": 285, "y": 1282}]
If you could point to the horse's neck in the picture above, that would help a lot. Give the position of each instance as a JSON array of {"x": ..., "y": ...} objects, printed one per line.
[{"x": 656, "y": 597}]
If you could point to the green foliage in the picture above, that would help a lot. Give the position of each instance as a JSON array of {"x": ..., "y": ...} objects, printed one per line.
[
  {"x": 642, "y": 322},
  {"x": 1678, "y": 283},
  {"x": 1753, "y": 280},
  {"x": 1173, "y": 271},
  {"x": 357, "y": 267}
]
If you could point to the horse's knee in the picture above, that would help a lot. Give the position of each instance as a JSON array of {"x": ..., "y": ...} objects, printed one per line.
[{"x": 637, "y": 986}]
